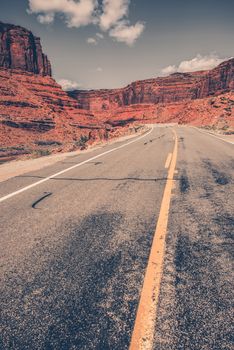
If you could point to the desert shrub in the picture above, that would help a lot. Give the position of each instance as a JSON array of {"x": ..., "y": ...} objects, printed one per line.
[
  {"x": 42, "y": 152},
  {"x": 13, "y": 148},
  {"x": 48, "y": 143},
  {"x": 82, "y": 141}
]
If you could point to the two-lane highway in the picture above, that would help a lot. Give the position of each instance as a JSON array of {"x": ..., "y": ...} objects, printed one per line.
[{"x": 76, "y": 239}]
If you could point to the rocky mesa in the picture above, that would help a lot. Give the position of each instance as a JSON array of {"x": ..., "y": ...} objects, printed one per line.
[
  {"x": 174, "y": 88},
  {"x": 161, "y": 99},
  {"x": 181, "y": 98}
]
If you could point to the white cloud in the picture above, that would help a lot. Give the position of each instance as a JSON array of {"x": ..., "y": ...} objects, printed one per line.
[
  {"x": 195, "y": 64},
  {"x": 109, "y": 15},
  {"x": 113, "y": 11},
  {"x": 68, "y": 84},
  {"x": 76, "y": 14},
  {"x": 169, "y": 70},
  {"x": 95, "y": 41},
  {"x": 46, "y": 19},
  {"x": 92, "y": 41},
  {"x": 126, "y": 33},
  {"x": 99, "y": 69}
]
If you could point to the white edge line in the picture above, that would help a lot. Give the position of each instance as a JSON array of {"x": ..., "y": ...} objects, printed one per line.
[
  {"x": 70, "y": 168},
  {"x": 207, "y": 133}
]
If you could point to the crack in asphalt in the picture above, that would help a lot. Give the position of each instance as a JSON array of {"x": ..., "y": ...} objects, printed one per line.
[{"x": 103, "y": 179}]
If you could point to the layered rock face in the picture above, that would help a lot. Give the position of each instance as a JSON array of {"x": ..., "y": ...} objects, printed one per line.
[
  {"x": 175, "y": 88},
  {"x": 36, "y": 115},
  {"x": 38, "y": 118},
  {"x": 217, "y": 111},
  {"x": 20, "y": 49},
  {"x": 34, "y": 107}
]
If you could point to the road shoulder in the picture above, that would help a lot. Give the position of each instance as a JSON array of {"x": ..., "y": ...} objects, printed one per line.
[{"x": 20, "y": 167}]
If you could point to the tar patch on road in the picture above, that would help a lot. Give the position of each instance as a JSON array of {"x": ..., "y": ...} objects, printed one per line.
[
  {"x": 152, "y": 140},
  {"x": 220, "y": 177},
  {"x": 184, "y": 183},
  {"x": 95, "y": 163},
  {"x": 47, "y": 194},
  {"x": 181, "y": 142}
]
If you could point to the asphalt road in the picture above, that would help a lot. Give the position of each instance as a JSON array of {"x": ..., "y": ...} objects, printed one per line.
[{"x": 74, "y": 248}]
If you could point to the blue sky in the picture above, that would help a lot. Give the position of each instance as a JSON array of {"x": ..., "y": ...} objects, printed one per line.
[{"x": 109, "y": 43}]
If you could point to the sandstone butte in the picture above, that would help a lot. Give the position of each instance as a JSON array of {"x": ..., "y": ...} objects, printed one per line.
[{"x": 37, "y": 116}]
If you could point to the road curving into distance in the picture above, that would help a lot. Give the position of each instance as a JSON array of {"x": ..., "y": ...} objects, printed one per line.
[{"x": 125, "y": 247}]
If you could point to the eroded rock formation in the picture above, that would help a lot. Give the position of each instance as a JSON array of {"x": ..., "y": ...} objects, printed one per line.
[
  {"x": 172, "y": 89},
  {"x": 20, "y": 49},
  {"x": 36, "y": 115}
]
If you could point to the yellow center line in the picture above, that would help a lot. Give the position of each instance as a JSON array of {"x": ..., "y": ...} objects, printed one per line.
[
  {"x": 168, "y": 161},
  {"x": 144, "y": 327}
]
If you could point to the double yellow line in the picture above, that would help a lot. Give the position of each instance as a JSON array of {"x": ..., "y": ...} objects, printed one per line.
[{"x": 144, "y": 328}]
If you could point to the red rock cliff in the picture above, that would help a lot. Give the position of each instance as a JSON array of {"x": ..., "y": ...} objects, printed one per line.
[
  {"x": 174, "y": 88},
  {"x": 36, "y": 115},
  {"x": 20, "y": 49}
]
